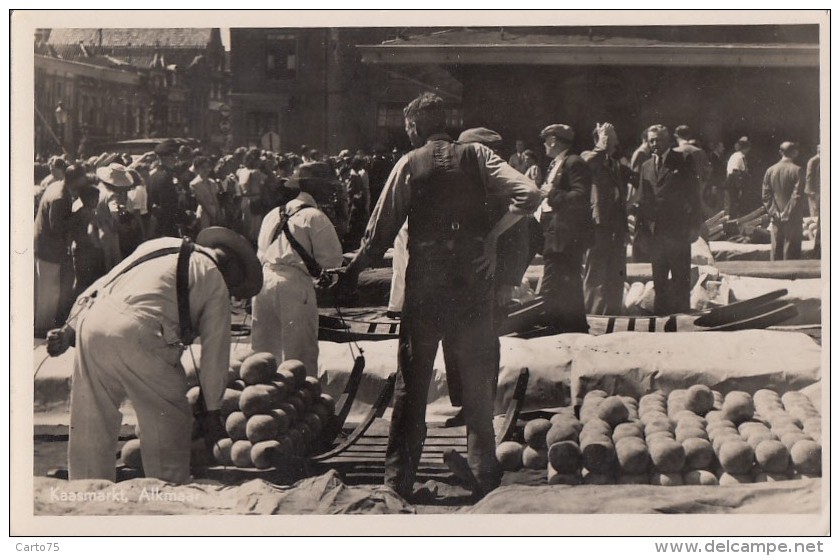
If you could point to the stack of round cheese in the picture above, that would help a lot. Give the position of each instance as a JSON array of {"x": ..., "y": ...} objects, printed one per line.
[
  {"x": 271, "y": 411},
  {"x": 692, "y": 436},
  {"x": 564, "y": 453}
]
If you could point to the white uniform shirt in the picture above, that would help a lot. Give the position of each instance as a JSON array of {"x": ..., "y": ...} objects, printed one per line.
[
  {"x": 310, "y": 227},
  {"x": 736, "y": 162},
  {"x": 149, "y": 290}
]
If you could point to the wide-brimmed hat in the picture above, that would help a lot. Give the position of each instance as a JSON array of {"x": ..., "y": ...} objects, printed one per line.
[
  {"x": 311, "y": 172},
  {"x": 116, "y": 176},
  {"x": 166, "y": 148},
  {"x": 217, "y": 237}
]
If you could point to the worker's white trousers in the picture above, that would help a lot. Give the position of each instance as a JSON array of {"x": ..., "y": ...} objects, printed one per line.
[
  {"x": 285, "y": 316},
  {"x": 47, "y": 290},
  {"x": 119, "y": 355},
  {"x": 399, "y": 263}
]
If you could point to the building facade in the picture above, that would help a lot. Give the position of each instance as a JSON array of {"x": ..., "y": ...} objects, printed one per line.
[
  {"x": 310, "y": 87},
  {"x": 98, "y": 86}
]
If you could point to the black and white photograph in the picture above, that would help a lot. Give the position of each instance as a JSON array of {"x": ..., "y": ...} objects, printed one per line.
[{"x": 456, "y": 268}]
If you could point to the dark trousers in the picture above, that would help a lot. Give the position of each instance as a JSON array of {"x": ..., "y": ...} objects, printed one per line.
[
  {"x": 562, "y": 289},
  {"x": 604, "y": 274},
  {"x": 786, "y": 240},
  {"x": 445, "y": 300},
  {"x": 732, "y": 202},
  {"x": 671, "y": 266}
]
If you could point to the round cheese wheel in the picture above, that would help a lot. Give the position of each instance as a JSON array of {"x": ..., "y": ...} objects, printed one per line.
[
  {"x": 509, "y": 455},
  {"x": 738, "y": 407},
  {"x": 599, "y": 455},
  {"x": 565, "y": 457},
  {"x": 221, "y": 451},
  {"x": 632, "y": 455},
  {"x": 328, "y": 401},
  {"x": 535, "y": 433},
  {"x": 263, "y": 453},
  {"x": 281, "y": 419},
  {"x": 236, "y": 425},
  {"x": 613, "y": 411},
  {"x": 807, "y": 457},
  {"x": 699, "y": 399},
  {"x": 772, "y": 456},
  {"x": 259, "y": 368},
  {"x": 561, "y": 431},
  {"x": 736, "y": 457},
  {"x": 631, "y": 429},
  {"x": 240, "y": 454},
  {"x": 312, "y": 384},
  {"x": 230, "y": 402},
  {"x": 698, "y": 453},
  {"x": 297, "y": 369},
  {"x": 668, "y": 455},
  {"x": 258, "y": 398},
  {"x": 534, "y": 459},
  {"x": 260, "y": 428}
]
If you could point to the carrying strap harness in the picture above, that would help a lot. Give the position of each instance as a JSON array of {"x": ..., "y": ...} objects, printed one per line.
[
  {"x": 182, "y": 285},
  {"x": 312, "y": 265}
]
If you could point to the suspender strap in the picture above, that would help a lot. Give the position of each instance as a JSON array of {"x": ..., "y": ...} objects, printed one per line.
[
  {"x": 182, "y": 290},
  {"x": 182, "y": 284},
  {"x": 283, "y": 226}
]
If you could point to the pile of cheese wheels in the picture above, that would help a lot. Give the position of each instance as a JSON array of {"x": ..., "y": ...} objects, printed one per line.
[
  {"x": 693, "y": 436},
  {"x": 270, "y": 411}
]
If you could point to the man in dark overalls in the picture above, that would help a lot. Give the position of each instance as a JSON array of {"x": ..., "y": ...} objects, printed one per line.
[{"x": 442, "y": 187}]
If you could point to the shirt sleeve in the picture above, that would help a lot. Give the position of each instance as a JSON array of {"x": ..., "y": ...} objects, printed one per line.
[
  {"x": 269, "y": 223},
  {"x": 387, "y": 217},
  {"x": 210, "y": 304},
  {"x": 502, "y": 179},
  {"x": 326, "y": 247}
]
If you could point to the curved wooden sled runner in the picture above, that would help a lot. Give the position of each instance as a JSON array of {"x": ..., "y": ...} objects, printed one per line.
[{"x": 526, "y": 321}]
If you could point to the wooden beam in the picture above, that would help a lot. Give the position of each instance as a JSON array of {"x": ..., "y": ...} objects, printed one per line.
[{"x": 597, "y": 54}]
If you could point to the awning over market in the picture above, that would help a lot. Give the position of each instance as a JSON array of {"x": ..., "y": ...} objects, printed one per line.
[{"x": 497, "y": 47}]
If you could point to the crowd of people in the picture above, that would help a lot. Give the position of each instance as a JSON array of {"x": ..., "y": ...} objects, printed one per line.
[
  {"x": 272, "y": 223},
  {"x": 91, "y": 214}
]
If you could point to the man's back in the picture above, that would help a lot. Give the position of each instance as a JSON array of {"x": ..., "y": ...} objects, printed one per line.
[
  {"x": 52, "y": 223},
  {"x": 782, "y": 179}
]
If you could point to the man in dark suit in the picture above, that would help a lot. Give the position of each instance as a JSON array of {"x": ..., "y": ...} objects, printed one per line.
[
  {"x": 566, "y": 217},
  {"x": 670, "y": 206},
  {"x": 782, "y": 194}
]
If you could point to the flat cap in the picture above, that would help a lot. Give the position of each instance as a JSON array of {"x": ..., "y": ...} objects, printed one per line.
[
  {"x": 561, "y": 131},
  {"x": 480, "y": 135}
]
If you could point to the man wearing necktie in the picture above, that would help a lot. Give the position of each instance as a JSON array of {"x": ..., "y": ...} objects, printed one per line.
[
  {"x": 517, "y": 159},
  {"x": 605, "y": 269},
  {"x": 670, "y": 205},
  {"x": 566, "y": 218}
]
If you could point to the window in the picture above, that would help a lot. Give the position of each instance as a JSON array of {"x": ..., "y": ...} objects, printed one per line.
[
  {"x": 280, "y": 56},
  {"x": 257, "y": 124}
]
